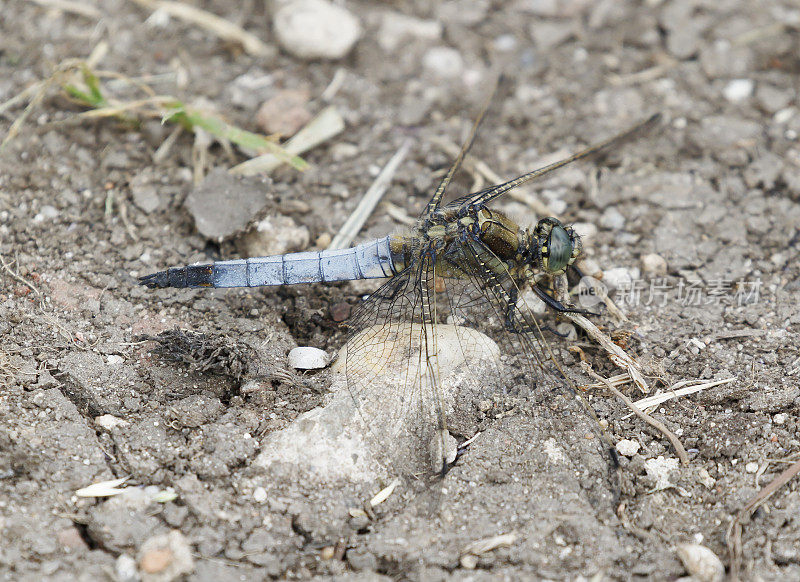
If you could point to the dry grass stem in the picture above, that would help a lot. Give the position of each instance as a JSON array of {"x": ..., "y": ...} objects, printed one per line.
[
  {"x": 19, "y": 279},
  {"x": 734, "y": 533},
  {"x": 397, "y": 213},
  {"x": 675, "y": 391},
  {"x": 73, "y": 7},
  {"x": 676, "y": 443},
  {"x": 356, "y": 220},
  {"x": 616, "y": 353},
  {"x": 214, "y": 24},
  {"x": 327, "y": 124}
]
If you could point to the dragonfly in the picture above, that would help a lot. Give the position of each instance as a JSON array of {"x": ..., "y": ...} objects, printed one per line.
[{"x": 463, "y": 266}]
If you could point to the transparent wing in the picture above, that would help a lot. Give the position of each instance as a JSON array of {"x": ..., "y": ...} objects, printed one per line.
[
  {"x": 392, "y": 371},
  {"x": 488, "y": 194},
  {"x": 438, "y": 195},
  {"x": 427, "y": 353}
]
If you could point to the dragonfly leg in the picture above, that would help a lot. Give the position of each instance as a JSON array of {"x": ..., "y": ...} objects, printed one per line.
[
  {"x": 512, "y": 325},
  {"x": 557, "y": 305}
]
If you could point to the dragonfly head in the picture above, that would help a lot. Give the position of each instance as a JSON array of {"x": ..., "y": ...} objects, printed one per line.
[{"x": 557, "y": 245}]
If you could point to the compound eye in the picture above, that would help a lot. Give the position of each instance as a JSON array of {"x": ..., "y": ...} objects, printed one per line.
[{"x": 559, "y": 249}]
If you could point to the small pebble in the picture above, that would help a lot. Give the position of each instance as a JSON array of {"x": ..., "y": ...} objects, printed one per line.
[
  {"x": 396, "y": 28},
  {"x": 259, "y": 495},
  {"x": 505, "y": 43},
  {"x": 701, "y": 563},
  {"x": 585, "y": 230},
  {"x": 443, "y": 62},
  {"x": 168, "y": 556},
  {"x": 316, "y": 29},
  {"x": 275, "y": 235},
  {"x": 738, "y": 90},
  {"x": 71, "y": 540},
  {"x": 784, "y": 115},
  {"x": 308, "y": 358},
  {"x": 469, "y": 561},
  {"x": 110, "y": 422},
  {"x": 223, "y": 205},
  {"x": 126, "y": 569},
  {"x": 612, "y": 219},
  {"x": 343, "y": 151},
  {"x": 659, "y": 469},
  {"x": 323, "y": 240},
  {"x": 155, "y": 560},
  {"x": 47, "y": 212},
  {"x": 705, "y": 478},
  {"x": 620, "y": 277},
  {"x": 285, "y": 113},
  {"x": 547, "y": 35},
  {"x": 144, "y": 193},
  {"x": 627, "y": 447},
  {"x": 114, "y": 360},
  {"x": 751, "y": 467},
  {"x": 654, "y": 265},
  {"x": 340, "y": 311},
  {"x": 779, "y": 418}
]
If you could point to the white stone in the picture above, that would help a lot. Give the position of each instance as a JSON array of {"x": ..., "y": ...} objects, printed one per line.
[
  {"x": 738, "y": 90},
  {"x": 654, "y": 265},
  {"x": 443, "y": 62},
  {"x": 259, "y": 495},
  {"x": 751, "y": 467},
  {"x": 316, "y": 29},
  {"x": 701, "y": 563},
  {"x": 274, "y": 235},
  {"x": 784, "y": 115},
  {"x": 114, "y": 360},
  {"x": 126, "y": 569},
  {"x": 659, "y": 469},
  {"x": 47, "y": 212},
  {"x": 396, "y": 27},
  {"x": 308, "y": 358},
  {"x": 620, "y": 277},
  {"x": 110, "y": 422},
  {"x": 612, "y": 219},
  {"x": 585, "y": 230},
  {"x": 779, "y": 418},
  {"x": 705, "y": 478},
  {"x": 178, "y": 548},
  {"x": 627, "y": 447},
  {"x": 354, "y": 434}
]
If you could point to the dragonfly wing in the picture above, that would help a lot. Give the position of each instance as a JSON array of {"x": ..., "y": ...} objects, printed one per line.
[
  {"x": 488, "y": 194},
  {"x": 427, "y": 352},
  {"x": 489, "y": 298},
  {"x": 438, "y": 195},
  {"x": 393, "y": 375}
]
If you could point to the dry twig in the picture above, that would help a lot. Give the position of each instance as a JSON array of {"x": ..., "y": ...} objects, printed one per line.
[
  {"x": 734, "y": 533},
  {"x": 676, "y": 443},
  {"x": 218, "y": 26},
  {"x": 353, "y": 224},
  {"x": 616, "y": 353}
]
